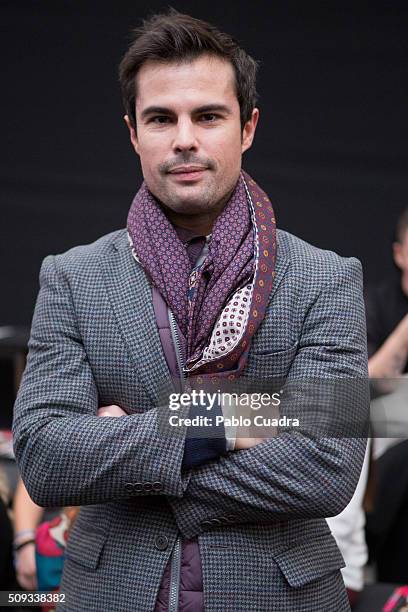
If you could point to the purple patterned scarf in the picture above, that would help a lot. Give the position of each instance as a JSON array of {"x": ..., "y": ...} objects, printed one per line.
[{"x": 220, "y": 304}]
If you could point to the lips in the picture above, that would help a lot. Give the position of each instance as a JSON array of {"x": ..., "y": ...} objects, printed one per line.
[
  {"x": 187, "y": 169},
  {"x": 188, "y": 174}
]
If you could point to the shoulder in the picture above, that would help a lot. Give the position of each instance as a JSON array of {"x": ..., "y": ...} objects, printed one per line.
[
  {"x": 100, "y": 247},
  {"x": 80, "y": 266},
  {"x": 313, "y": 263},
  {"x": 87, "y": 256}
]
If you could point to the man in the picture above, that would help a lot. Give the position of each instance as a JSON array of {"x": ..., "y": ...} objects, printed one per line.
[
  {"x": 200, "y": 286},
  {"x": 387, "y": 313},
  {"x": 387, "y": 334}
]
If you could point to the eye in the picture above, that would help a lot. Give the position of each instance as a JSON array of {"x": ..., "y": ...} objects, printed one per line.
[
  {"x": 209, "y": 117},
  {"x": 159, "y": 119}
]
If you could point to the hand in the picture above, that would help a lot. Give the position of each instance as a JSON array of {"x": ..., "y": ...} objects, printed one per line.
[
  {"x": 111, "y": 411},
  {"x": 248, "y": 436},
  {"x": 389, "y": 361},
  {"x": 243, "y": 443},
  {"x": 26, "y": 568}
]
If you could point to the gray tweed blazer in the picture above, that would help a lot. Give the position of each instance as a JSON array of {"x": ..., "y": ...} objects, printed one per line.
[{"x": 258, "y": 513}]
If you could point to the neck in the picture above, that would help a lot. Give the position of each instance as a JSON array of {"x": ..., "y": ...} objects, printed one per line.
[{"x": 199, "y": 224}]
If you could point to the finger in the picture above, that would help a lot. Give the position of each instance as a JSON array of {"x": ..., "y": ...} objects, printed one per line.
[
  {"x": 110, "y": 409},
  {"x": 114, "y": 411}
]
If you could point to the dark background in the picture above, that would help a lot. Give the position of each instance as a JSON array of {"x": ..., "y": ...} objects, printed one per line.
[{"x": 330, "y": 148}]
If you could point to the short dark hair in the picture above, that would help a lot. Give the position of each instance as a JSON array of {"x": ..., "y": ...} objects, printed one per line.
[
  {"x": 173, "y": 37},
  {"x": 401, "y": 227}
]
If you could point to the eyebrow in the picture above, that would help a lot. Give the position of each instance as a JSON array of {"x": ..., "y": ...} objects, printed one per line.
[{"x": 207, "y": 108}]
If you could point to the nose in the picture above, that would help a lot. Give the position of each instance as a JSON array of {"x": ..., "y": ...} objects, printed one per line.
[{"x": 185, "y": 137}]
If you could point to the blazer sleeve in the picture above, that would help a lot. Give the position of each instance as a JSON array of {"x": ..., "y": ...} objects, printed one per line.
[
  {"x": 66, "y": 454},
  {"x": 297, "y": 475}
]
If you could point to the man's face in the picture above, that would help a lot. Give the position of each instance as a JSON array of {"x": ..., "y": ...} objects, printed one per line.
[
  {"x": 189, "y": 135},
  {"x": 401, "y": 253}
]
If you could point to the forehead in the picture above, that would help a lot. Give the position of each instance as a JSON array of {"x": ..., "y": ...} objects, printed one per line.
[{"x": 198, "y": 81}]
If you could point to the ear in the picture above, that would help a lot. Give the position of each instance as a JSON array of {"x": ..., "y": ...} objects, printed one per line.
[
  {"x": 248, "y": 132},
  {"x": 132, "y": 131},
  {"x": 398, "y": 257}
]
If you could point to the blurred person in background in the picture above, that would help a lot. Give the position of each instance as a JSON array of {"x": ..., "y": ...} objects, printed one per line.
[
  {"x": 387, "y": 313},
  {"x": 7, "y": 572},
  {"x": 27, "y": 516},
  {"x": 39, "y": 545},
  {"x": 348, "y": 530},
  {"x": 387, "y": 335}
]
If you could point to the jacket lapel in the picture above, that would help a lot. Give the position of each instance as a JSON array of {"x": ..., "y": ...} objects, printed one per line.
[
  {"x": 130, "y": 294},
  {"x": 281, "y": 267}
]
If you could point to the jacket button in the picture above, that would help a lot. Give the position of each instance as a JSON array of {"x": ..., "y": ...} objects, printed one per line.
[
  {"x": 147, "y": 486},
  {"x": 205, "y": 524},
  {"x": 224, "y": 519},
  {"x": 161, "y": 542},
  {"x": 138, "y": 486},
  {"x": 129, "y": 487},
  {"x": 157, "y": 486}
]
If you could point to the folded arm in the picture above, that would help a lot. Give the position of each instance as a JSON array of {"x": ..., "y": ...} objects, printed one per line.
[
  {"x": 304, "y": 474},
  {"x": 68, "y": 455}
]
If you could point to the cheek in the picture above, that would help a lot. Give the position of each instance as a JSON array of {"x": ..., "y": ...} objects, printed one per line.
[
  {"x": 235, "y": 143},
  {"x": 149, "y": 159},
  {"x": 230, "y": 159},
  {"x": 227, "y": 149},
  {"x": 152, "y": 149}
]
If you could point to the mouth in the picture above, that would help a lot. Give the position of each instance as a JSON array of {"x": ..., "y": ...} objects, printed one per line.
[{"x": 188, "y": 173}]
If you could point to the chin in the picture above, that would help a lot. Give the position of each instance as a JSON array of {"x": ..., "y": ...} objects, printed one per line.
[
  {"x": 191, "y": 208},
  {"x": 190, "y": 203}
]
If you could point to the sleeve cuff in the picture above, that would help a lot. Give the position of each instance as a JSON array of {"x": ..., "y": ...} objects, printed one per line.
[
  {"x": 198, "y": 449},
  {"x": 228, "y": 410}
]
